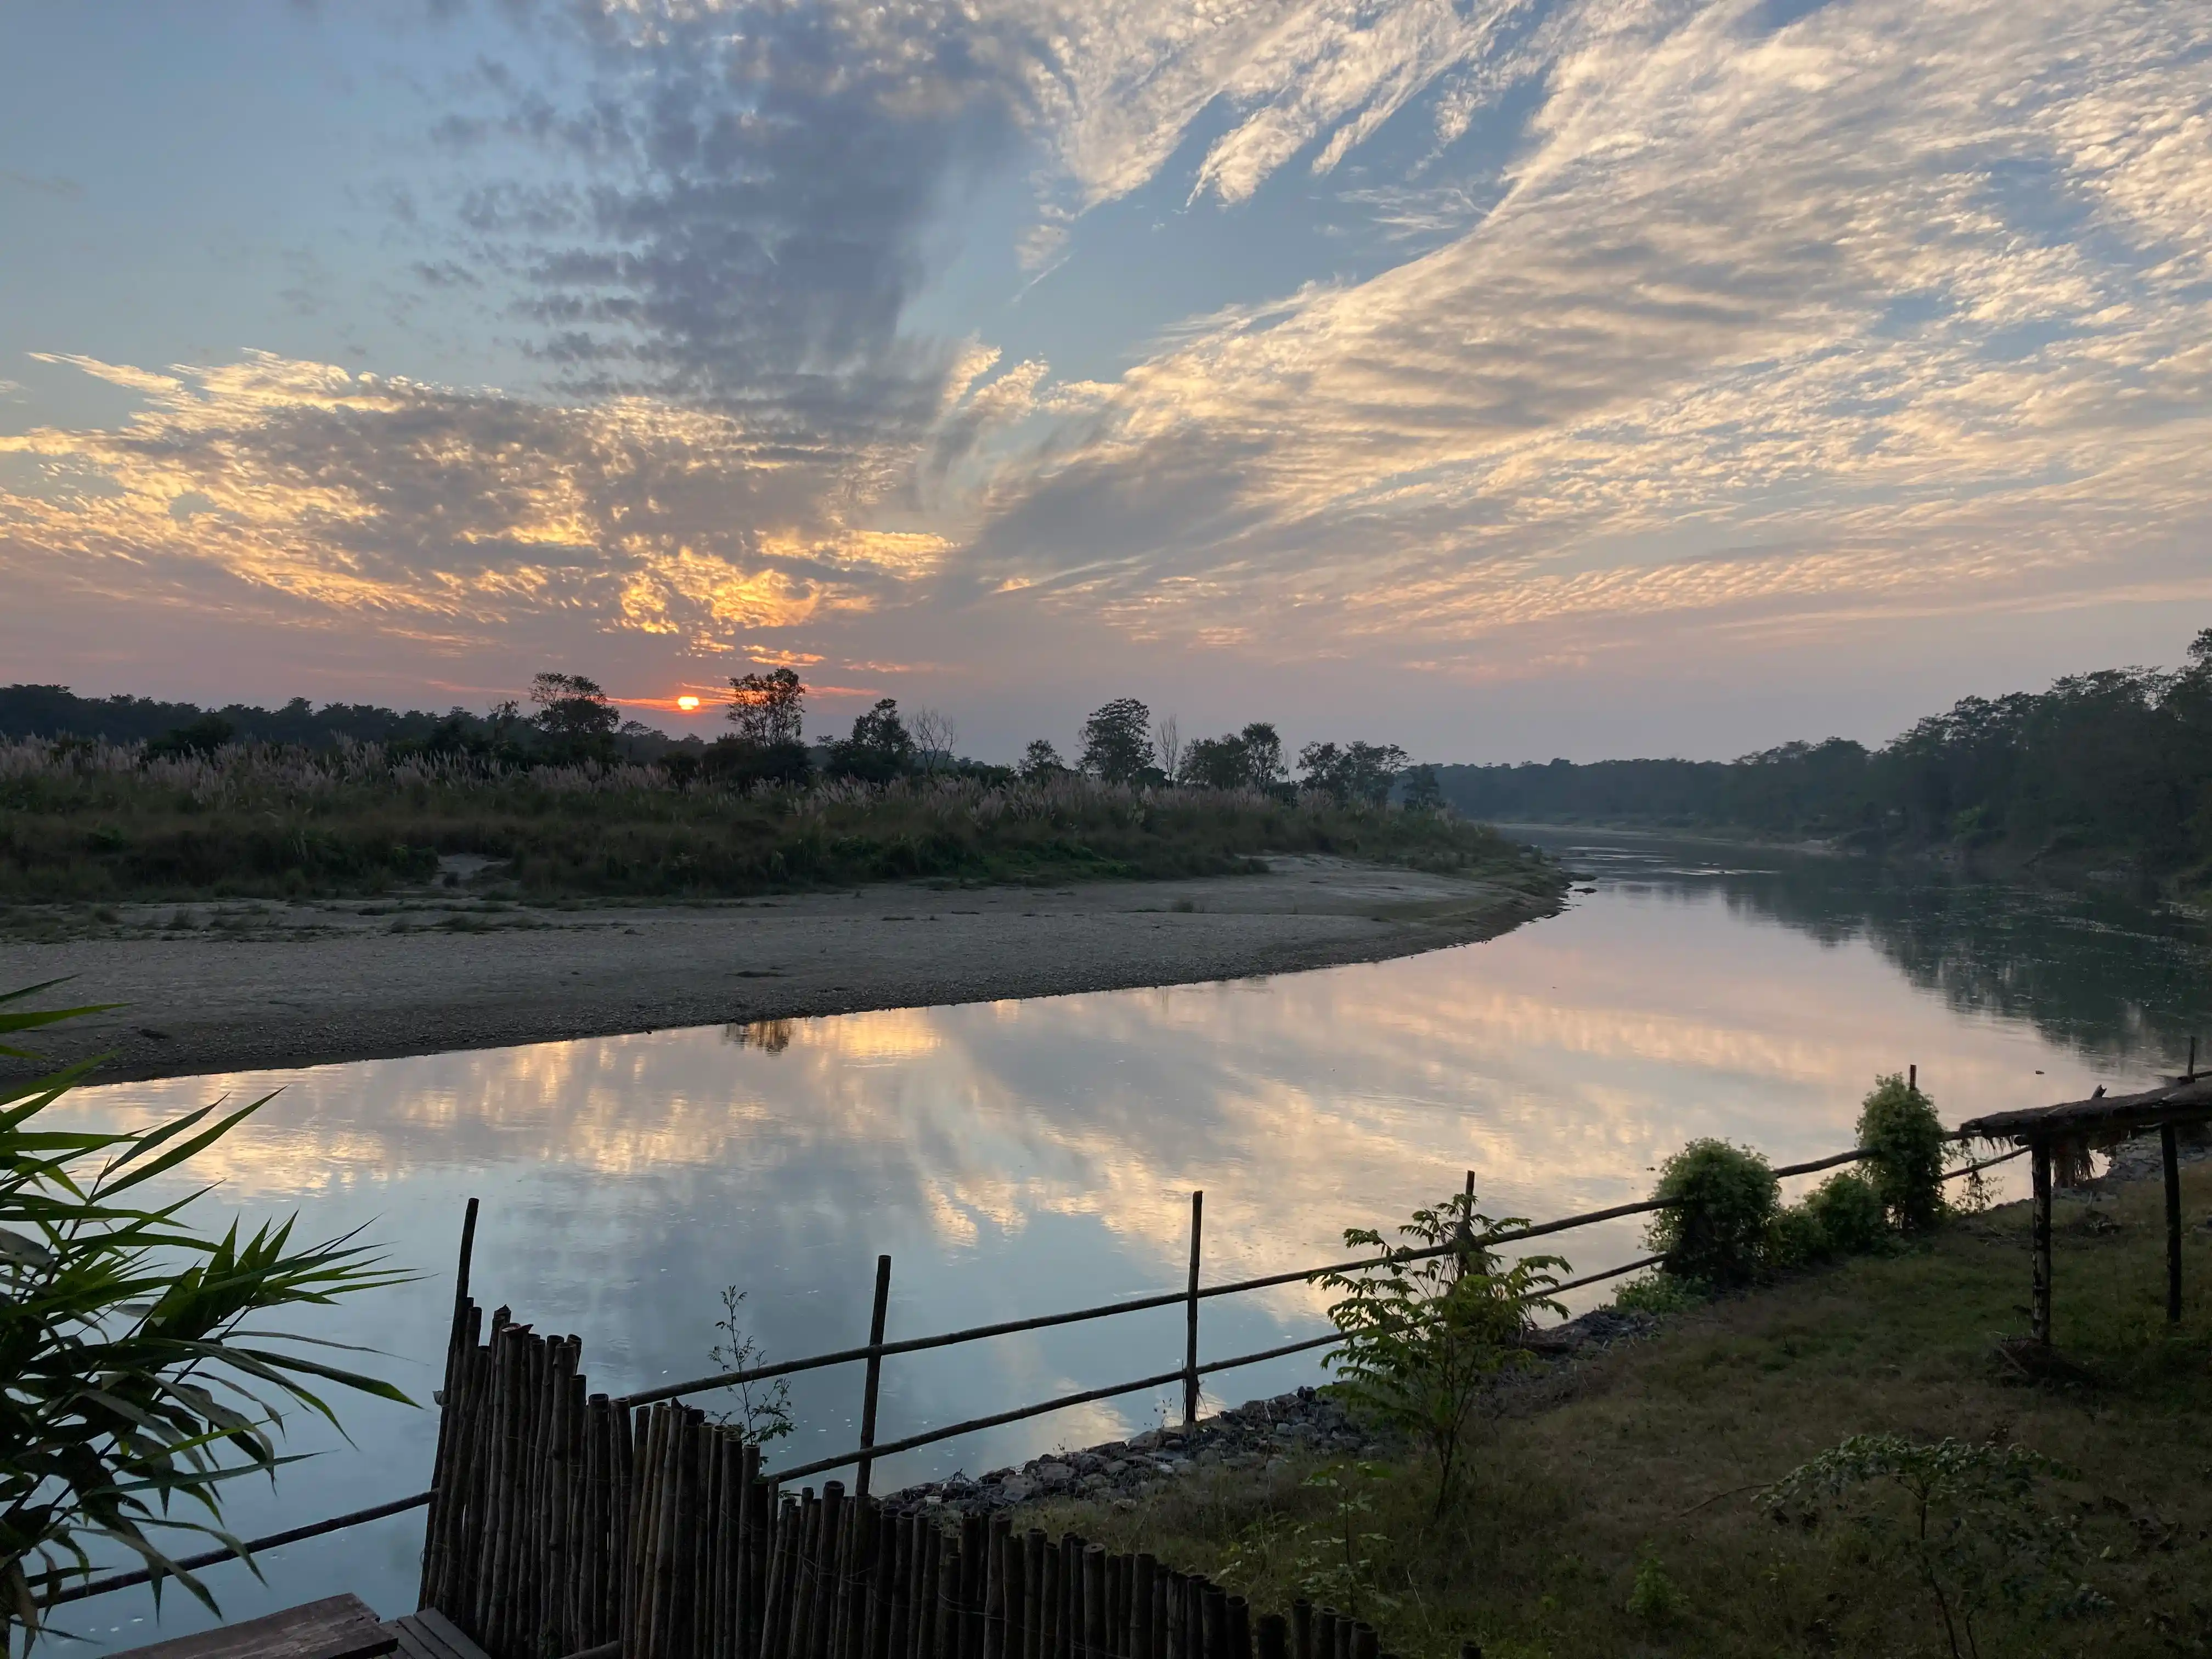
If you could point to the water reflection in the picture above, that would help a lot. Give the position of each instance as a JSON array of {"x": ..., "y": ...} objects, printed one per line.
[{"x": 1015, "y": 1158}]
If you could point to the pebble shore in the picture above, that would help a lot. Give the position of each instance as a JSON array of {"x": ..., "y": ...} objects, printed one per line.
[{"x": 1261, "y": 1434}]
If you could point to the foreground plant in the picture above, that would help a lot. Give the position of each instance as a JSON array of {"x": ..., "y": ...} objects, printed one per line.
[
  {"x": 1426, "y": 1333},
  {"x": 132, "y": 1379},
  {"x": 1963, "y": 1517}
]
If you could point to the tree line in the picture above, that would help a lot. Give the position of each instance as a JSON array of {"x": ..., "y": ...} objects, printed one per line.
[
  {"x": 2118, "y": 761},
  {"x": 569, "y": 717}
]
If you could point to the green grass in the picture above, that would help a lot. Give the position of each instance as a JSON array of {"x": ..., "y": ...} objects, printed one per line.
[
  {"x": 1618, "y": 1517},
  {"x": 95, "y": 823}
]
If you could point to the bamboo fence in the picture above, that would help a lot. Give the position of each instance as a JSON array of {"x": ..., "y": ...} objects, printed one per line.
[{"x": 564, "y": 1522}]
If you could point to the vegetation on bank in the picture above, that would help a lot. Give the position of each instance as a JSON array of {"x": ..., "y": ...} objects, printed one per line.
[
  {"x": 2110, "y": 766},
  {"x": 1835, "y": 1456},
  {"x": 1618, "y": 1508},
  {"x": 95, "y": 822},
  {"x": 572, "y": 801}
]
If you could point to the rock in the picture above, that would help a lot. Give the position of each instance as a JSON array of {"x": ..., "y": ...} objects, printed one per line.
[
  {"x": 1151, "y": 1438},
  {"x": 1015, "y": 1489},
  {"x": 1115, "y": 1466},
  {"x": 1052, "y": 1476}
]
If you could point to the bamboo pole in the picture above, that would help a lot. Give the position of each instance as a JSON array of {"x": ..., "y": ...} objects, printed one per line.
[
  {"x": 2170, "y": 1153},
  {"x": 1190, "y": 1318},
  {"x": 2040, "y": 1245},
  {"x": 1273, "y": 1637},
  {"x": 1302, "y": 1629},
  {"x": 1143, "y": 1570}
]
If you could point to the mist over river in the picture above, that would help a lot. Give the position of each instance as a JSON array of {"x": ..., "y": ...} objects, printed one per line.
[{"x": 1017, "y": 1158}]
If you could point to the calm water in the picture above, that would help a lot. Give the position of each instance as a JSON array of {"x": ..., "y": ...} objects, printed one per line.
[{"x": 1021, "y": 1157}]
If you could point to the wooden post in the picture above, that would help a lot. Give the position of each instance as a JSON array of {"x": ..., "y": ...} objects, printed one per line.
[
  {"x": 2039, "y": 1243},
  {"x": 2167, "y": 1140},
  {"x": 1190, "y": 1336},
  {"x": 1273, "y": 1637},
  {"x": 875, "y": 1375},
  {"x": 1912, "y": 1079}
]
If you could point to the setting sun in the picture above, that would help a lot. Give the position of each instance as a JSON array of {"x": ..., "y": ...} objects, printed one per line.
[{"x": 687, "y": 702}]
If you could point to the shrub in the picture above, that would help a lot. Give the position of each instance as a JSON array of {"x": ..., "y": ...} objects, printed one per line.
[
  {"x": 1725, "y": 1201},
  {"x": 1849, "y": 1213},
  {"x": 1424, "y": 1335},
  {"x": 1962, "y": 1519},
  {"x": 1794, "y": 1237},
  {"x": 1661, "y": 1293},
  {"x": 1898, "y": 1127},
  {"x": 1653, "y": 1600}
]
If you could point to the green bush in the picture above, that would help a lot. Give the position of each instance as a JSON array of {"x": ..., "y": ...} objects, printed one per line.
[
  {"x": 1725, "y": 1199},
  {"x": 1661, "y": 1293},
  {"x": 1898, "y": 1127},
  {"x": 1849, "y": 1213},
  {"x": 1794, "y": 1238}
]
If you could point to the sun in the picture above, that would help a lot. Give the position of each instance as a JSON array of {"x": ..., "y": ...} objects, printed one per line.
[{"x": 687, "y": 702}]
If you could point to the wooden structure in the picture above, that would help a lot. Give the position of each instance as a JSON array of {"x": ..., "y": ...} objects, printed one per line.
[
  {"x": 336, "y": 1627},
  {"x": 2070, "y": 1132},
  {"x": 567, "y": 1523}
]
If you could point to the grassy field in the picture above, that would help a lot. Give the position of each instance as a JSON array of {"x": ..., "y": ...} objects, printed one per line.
[
  {"x": 96, "y": 823},
  {"x": 1649, "y": 1460}
]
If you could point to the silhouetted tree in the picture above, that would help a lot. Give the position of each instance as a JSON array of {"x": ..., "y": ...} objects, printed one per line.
[
  {"x": 1356, "y": 772},
  {"x": 1423, "y": 792},
  {"x": 1249, "y": 759},
  {"x": 880, "y": 749},
  {"x": 1117, "y": 741},
  {"x": 767, "y": 708},
  {"x": 1040, "y": 760},
  {"x": 575, "y": 714}
]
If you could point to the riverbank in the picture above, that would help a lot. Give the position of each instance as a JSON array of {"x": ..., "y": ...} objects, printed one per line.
[
  {"x": 255, "y": 985},
  {"x": 1614, "y": 1510}
]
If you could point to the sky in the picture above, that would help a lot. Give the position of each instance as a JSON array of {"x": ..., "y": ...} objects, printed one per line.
[{"x": 1505, "y": 378}]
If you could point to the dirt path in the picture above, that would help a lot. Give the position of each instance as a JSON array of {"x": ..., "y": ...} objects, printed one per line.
[{"x": 249, "y": 986}]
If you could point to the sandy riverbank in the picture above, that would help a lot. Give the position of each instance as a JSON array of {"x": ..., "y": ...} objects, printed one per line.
[{"x": 215, "y": 988}]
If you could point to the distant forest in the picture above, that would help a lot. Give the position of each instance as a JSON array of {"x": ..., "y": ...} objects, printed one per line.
[{"x": 2112, "y": 763}]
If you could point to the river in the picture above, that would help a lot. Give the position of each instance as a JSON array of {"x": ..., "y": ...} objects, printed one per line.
[{"x": 1019, "y": 1157}]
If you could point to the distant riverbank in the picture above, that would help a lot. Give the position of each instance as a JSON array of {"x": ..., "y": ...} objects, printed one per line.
[{"x": 249, "y": 985}]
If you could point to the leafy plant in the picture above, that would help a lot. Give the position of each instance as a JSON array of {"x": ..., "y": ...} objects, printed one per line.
[
  {"x": 1661, "y": 1293},
  {"x": 1653, "y": 1599},
  {"x": 763, "y": 1412},
  {"x": 1332, "y": 1556},
  {"x": 1427, "y": 1329},
  {"x": 1722, "y": 1201},
  {"x": 1961, "y": 1516},
  {"x": 132, "y": 1380},
  {"x": 1850, "y": 1214},
  {"x": 1899, "y": 1127}
]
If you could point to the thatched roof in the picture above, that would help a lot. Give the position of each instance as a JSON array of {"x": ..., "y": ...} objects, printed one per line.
[{"x": 2103, "y": 1119}]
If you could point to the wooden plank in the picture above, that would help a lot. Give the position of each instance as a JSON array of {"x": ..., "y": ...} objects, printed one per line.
[
  {"x": 411, "y": 1645},
  {"x": 449, "y": 1635},
  {"x": 336, "y": 1627}
]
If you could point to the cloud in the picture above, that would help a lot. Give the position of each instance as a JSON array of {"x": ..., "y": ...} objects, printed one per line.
[
  {"x": 425, "y": 506},
  {"x": 1892, "y": 303}
]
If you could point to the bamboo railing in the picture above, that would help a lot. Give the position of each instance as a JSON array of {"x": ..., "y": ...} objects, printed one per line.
[{"x": 563, "y": 1522}]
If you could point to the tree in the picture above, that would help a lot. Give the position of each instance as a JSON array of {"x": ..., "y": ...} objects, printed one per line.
[
  {"x": 1167, "y": 747},
  {"x": 1117, "y": 741},
  {"x": 1249, "y": 759},
  {"x": 1361, "y": 772},
  {"x": 880, "y": 749},
  {"x": 575, "y": 712},
  {"x": 766, "y": 709},
  {"x": 137, "y": 1378},
  {"x": 934, "y": 734},
  {"x": 1426, "y": 1330},
  {"x": 1040, "y": 761},
  {"x": 1423, "y": 794}
]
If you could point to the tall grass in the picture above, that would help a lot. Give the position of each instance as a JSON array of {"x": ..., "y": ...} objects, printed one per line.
[{"x": 90, "y": 822}]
